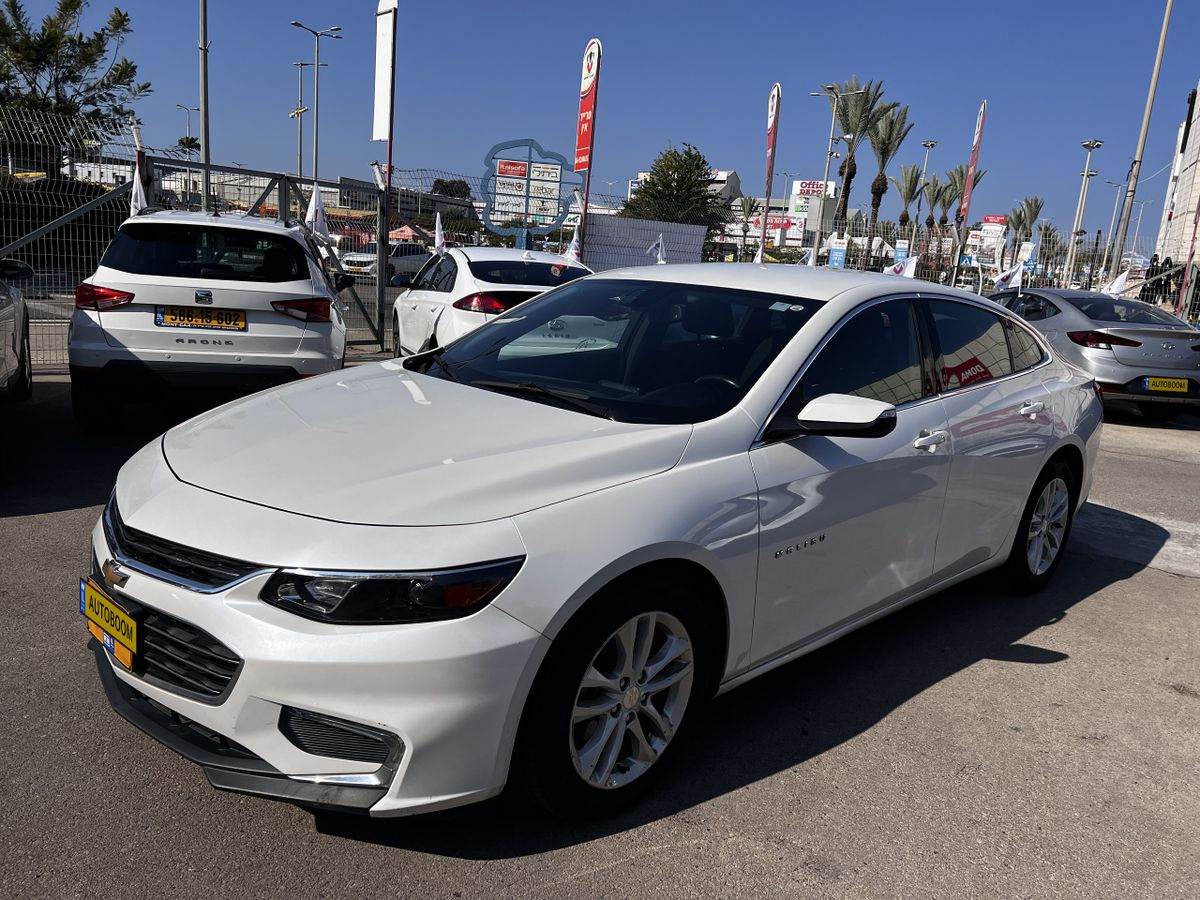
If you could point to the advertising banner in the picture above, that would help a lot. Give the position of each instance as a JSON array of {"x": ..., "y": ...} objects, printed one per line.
[
  {"x": 965, "y": 206},
  {"x": 812, "y": 188},
  {"x": 385, "y": 65},
  {"x": 772, "y": 133},
  {"x": 589, "y": 84},
  {"x": 901, "y": 251},
  {"x": 837, "y": 253}
]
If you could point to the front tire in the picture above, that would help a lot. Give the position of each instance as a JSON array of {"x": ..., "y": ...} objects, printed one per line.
[
  {"x": 1044, "y": 528},
  {"x": 21, "y": 388},
  {"x": 619, "y": 685}
]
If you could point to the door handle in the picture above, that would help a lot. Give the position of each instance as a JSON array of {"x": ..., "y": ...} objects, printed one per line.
[
  {"x": 929, "y": 440},
  {"x": 1032, "y": 407}
]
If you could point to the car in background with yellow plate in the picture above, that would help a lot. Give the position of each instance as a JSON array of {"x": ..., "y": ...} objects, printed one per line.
[
  {"x": 1137, "y": 352},
  {"x": 218, "y": 301}
]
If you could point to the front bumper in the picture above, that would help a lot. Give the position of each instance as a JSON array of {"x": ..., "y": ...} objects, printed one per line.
[{"x": 450, "y": 692}]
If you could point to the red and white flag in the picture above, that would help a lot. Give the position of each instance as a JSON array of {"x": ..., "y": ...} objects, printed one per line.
[
  {"x": 1010, "y": 278},
  {"x": 314, "y": 218},
  {"x": 572, "y": 254},
  {"x": 906, "y": 268}
]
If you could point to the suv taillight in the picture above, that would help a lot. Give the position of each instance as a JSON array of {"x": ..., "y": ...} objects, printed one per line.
[
  {"x": 481, "y": 303},
  {"x": 315, "y": 309},
  {"x": 1098, "y": 340},
  {"x": 92, "y": 296}
]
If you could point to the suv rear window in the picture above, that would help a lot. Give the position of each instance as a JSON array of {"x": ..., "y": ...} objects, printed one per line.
[
  {"x": 518, "y": 271},
  {"x": 176, "y": 250}
]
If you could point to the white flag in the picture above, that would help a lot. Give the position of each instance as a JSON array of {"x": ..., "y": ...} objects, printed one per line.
[
  {"x": 572, "y": 254},
  {"x": 1116, "y": 287},
  {"x": 315, "y": 217},
  {"x": 805, "y": 257},
  {"x": 658, "y": 250},
  {"x": 137, "y": 199},
  {"x": 1010, "y": 278},
  {"x": 439, "y": 236},
  {"x": 906, "y": 268},
  {"x": 758, "y": 254},
  {"x": 812, "y": 257}
]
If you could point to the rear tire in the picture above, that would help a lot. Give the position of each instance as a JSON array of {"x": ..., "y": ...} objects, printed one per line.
[
  {"x": 397, "y": 349},
  {"x": 21, "y": 388},
  {"x": 1044, "y": 529},
  {"x": 590, "y": 711},
  {"x": 1160, "y": 412}
]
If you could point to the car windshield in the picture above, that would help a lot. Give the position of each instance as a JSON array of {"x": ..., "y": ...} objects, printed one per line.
[
  {"x": 520, "y": 271},
  {"x": 1125, "y": 312},
  {"x": 635, "y": 351},
  {"x": 205, "y": 251}
]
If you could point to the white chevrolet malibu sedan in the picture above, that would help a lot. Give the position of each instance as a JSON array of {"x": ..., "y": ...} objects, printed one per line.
[{"x": 549, "y": 553}]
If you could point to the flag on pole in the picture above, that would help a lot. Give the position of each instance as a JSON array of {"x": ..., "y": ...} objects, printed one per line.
[
  {"x": 758, "y": 255},
  {"x": 137, "y": 199},
  {"x": 572, "y": 254},
  {"x": 1116, "y": 287},
  {"x": 806, "y": 256},
  {"x": 315, "y": 217},
  {"x": 658, "y": 250},
  {"x": 1010, "y": 278},
  {"x": 906, "y": 268},
  {"x": 439, "y": 236}
]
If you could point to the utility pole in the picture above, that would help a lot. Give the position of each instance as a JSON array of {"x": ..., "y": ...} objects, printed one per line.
[
  {"x": 1136, "y": 168},
  {"x": 316, "y": 109},
  {"x": 1108, "y": 241},
  {"x": 187, "y": 112},
  {"x": 928, "y": 145},
  {"x": 205, "y": 148},
  {"x": 1089, "y": 146},
  {"x": 298, "y": 115}
]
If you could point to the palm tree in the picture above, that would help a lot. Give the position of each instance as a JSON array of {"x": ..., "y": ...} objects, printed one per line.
[
  {"x": 947, "y": 197},
  {"x": 933, "y": 189},
  {"x": 748, "y": 205},
  {"x": 908, "y": 185},
  {"x": 958, "y": 178},
  {"x": 188, "y": 145},
  {"x": 886, "y": 137},
  {"x": 1017, "y": 226},
  {"x": 857, "y": 114}
]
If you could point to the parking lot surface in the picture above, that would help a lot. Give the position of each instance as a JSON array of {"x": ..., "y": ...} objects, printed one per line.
[{"x": 975, "y": 744}]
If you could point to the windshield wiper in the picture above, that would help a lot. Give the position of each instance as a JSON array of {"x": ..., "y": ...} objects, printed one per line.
[{"x": 573, "y": 399}]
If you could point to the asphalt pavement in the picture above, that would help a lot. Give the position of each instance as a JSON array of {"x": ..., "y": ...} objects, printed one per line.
[{"x": 975, "y": 744}]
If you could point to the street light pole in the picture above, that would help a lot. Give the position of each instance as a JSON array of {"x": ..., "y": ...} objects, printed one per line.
[
  {"x": 205, "y": 151},
  {"x": 1108, "y": 241},
  {"x": 316, "y": 64},
  {"x": 829, "y": 89},
  {"x": 1089, "y": 146},
  {"x": 187, "y": 112},
  {"x": 928, "y": 145},
  {"x": 1138, "y": 228},
  {"x": 1136, "y": 168}
]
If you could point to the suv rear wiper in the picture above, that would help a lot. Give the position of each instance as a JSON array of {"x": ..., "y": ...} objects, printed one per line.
[{"x": 573, "y": 399}]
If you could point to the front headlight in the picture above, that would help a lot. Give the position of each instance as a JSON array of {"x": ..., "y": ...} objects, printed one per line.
[{"x": 388, "y": 598}]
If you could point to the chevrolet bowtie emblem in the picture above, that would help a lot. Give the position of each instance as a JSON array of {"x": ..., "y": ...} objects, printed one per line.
[{"x": 112, "y": 574}]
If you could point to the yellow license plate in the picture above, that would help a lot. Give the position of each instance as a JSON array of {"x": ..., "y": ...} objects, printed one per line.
[
  {"x": 195, "y": 317},
  {"x": 1173, "y": 385},
  {"x": 108, "y": 623}
]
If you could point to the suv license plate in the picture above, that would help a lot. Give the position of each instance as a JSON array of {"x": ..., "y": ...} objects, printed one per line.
[{"x": 191, "y": 317}]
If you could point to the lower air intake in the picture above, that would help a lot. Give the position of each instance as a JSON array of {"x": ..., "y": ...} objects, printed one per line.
[{"x": 326, "y": 736}]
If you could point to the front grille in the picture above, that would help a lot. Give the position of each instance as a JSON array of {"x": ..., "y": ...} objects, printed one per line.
[
  {"x": 184, "y": 565},
  {"x": 183, "y": 658},
  {"x": 326, "y": 736}
]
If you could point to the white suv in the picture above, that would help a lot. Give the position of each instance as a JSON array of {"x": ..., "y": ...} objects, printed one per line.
[
  {"x": 230, "y": 301},
  {"x": 403, "y": 258}
]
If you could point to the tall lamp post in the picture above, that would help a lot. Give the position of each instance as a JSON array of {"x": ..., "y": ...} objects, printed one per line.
[
  {"x": 928, "y": 145},
  {"x": 187, "y": 112},
  {"x": 316, "y": 67},
  {"x": 830, "y": 90},
  {"x": 1108, "y": 241},
  {"x": 298, "y": 115},
  {"x": 1089, "y": 146}
]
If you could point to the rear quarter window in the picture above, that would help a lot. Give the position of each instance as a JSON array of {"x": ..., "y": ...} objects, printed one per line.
[{"x": 174, "y": 250}]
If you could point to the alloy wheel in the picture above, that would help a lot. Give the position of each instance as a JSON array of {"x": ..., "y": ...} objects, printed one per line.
[
  {"x": 1047, "y": 526},
  {"x": 631, "y": 700}
]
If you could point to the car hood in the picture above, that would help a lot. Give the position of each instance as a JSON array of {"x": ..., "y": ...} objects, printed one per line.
[{"x": 379, "y": 445}]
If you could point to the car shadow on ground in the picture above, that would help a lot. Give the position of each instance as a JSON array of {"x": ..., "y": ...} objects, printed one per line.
[
  {"x": 48, "y": 464},
  {"x": 798, "y": 711},
  {"x": 1119, "y": 412}
]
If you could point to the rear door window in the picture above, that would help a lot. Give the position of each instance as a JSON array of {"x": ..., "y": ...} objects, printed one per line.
[
  {"x": 972, "y": 344},
  {"x": 1033, "y": 308},
  {"x": 176, "y": 250}
]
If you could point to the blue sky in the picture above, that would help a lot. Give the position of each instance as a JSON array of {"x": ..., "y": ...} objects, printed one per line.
[{"x": 472, "y": 74}]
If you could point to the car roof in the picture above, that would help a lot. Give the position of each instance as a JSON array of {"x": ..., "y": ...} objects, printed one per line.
[
  {"x": 492, "y": 254},
  {"x": 225, "y": 220},
  {"x": 818, "y": 283}
]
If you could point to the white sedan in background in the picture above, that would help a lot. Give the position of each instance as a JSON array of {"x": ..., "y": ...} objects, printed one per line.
[
  {"x": 541, "y": 565},
  {"x": 458, "y": 291}
]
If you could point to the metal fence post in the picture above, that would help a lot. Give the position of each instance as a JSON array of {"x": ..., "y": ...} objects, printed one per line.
[{"x": 382, "y": 255}]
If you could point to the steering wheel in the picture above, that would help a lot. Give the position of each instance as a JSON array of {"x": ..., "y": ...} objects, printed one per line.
[{"x": 721, "y": 379}]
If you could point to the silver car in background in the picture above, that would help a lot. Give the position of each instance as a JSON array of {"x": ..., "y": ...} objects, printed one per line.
[{"x": 1135, "y": 351}]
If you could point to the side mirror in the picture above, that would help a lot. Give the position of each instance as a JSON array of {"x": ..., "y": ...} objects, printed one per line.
[
  {"x": 343, "y": 280},
  {"x": 404, "y": 279},
  {"x": 15, "y": 270},
  {"x": 844, "y": 415}
]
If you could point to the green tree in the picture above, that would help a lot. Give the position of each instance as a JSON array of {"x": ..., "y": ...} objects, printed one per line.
[
  {"x": 188, "y": 144},
  {"x": 451, "y": 187},
  {"x": 747, "y": 206},
  {"x": 957, "y": 178},
  {"x": 857, "y": 114},
  {"x": 678, "y": 191},
  {"x": 908, "y": 186},
  {"x": 933, "y": 190},
  {"x": 886, "y": 137},
  {"x": 56, "y": 68}
]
